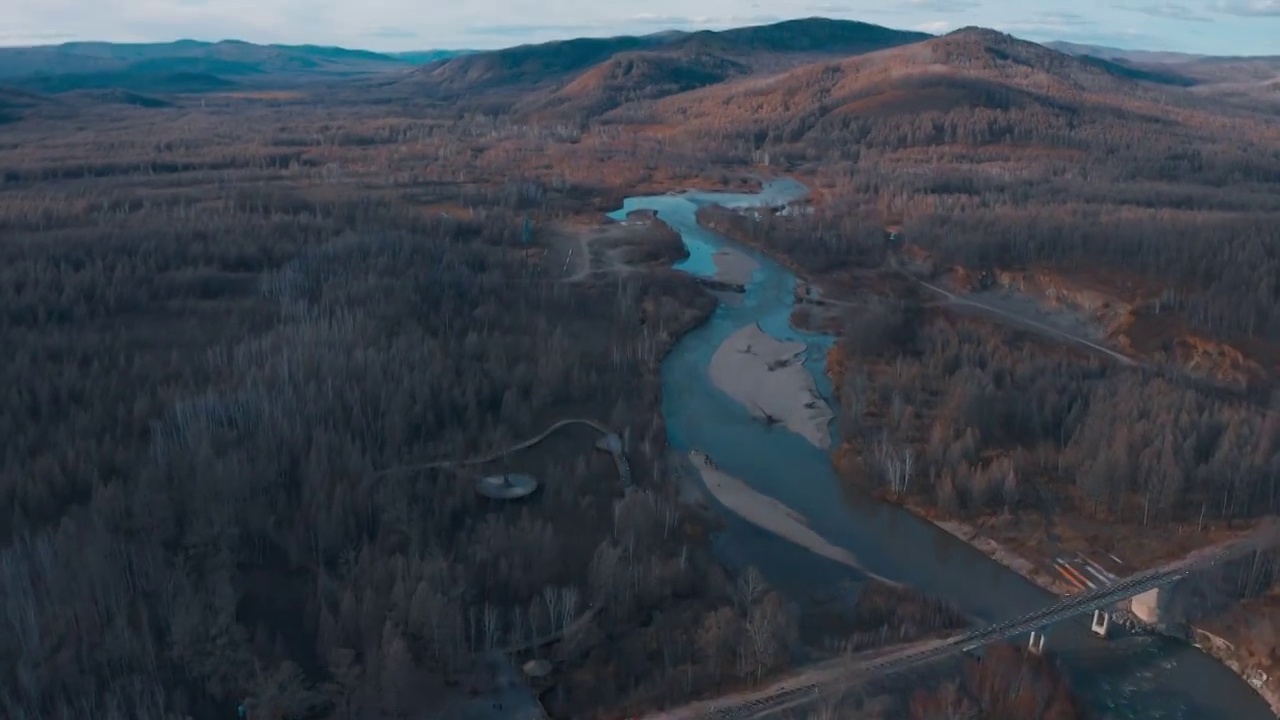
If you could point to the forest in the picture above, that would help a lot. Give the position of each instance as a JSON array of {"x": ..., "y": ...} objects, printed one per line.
[
  {"x": 220, "y": 355},
  {"x": 225, "y": 325},
  {"x": 1002, "y": 420},
  {"x": 209, "y": 372},
  {"x": 1002, "y": 686},
  {"x": 1004, "y": 425},
  {"x": 1165, "y": 207}
]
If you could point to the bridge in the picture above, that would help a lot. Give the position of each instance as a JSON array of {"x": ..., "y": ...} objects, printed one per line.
[{"x": 813, "y": 683}]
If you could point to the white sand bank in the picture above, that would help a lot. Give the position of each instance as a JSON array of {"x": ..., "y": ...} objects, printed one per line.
[
  {"x": 734, "y": 267},
  {"x": 787, "y": 393},
  {"x": 766, "y": 512}
]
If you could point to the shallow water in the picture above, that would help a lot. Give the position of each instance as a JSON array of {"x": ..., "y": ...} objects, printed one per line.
[{"x": 1136, "y": 677}]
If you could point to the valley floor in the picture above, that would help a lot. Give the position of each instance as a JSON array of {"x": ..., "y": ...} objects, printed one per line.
[{"x": 1063, "y": 552}]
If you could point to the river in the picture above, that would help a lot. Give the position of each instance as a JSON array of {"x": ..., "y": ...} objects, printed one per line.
[{"x": 1129, "y": 677}]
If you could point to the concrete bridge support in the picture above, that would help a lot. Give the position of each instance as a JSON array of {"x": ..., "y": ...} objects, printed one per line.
[
  {"x": 1147, "y": 606},
  {"x": 1036, "y": 644},
  {"x": 1101, "y": 623}
]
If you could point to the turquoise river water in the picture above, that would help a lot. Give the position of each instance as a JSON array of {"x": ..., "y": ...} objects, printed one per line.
[{"x": 1131, "y": 677}]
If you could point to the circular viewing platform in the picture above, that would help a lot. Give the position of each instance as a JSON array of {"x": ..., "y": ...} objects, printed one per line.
[
  {"x": 610, "y": 443},
  {"x": 507, "y": 487}
]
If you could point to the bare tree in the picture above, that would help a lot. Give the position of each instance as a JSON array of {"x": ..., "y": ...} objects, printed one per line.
[{"x": 749, "y": 587}]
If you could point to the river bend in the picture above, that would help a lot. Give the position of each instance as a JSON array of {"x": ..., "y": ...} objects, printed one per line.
[{"x": 1127, "y": 678}]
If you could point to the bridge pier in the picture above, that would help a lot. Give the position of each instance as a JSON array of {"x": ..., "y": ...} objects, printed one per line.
[
  {"x": 1036, "y": 644},
  {"x": 1101, "y": 623},
  {"x": 1149, "y": 606}
]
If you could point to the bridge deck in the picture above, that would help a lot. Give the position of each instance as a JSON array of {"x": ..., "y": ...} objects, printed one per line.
[{"x": 816, "y": 682}]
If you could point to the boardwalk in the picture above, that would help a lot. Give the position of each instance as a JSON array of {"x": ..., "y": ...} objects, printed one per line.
[{"x": 609, "y": 442}]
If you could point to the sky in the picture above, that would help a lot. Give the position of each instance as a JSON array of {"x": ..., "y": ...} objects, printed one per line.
[{"x": 1216, "y": 27}]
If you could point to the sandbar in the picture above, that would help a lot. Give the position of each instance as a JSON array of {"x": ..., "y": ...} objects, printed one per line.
[
  {"x": 767, "y": 513},
  {"x": 767, "y": 376},
  {"x": 734, "y": 267}
]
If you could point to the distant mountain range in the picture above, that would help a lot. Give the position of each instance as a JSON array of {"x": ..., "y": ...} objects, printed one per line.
[
  {"x": 422, "y": 57},
  {"x": 691, "y": 57},
  {"x": 1224, "y": 73},
  {"x": 189, "y": 65},
  {"x": 581, "y": 78},
  {"x": 586, "y": 77}
]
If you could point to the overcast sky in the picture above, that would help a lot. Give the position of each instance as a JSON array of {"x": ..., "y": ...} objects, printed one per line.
[{"x": 1248, "y": 27}]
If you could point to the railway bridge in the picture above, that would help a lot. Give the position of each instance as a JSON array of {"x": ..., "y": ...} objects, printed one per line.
[{"x": 830, "y": 677}]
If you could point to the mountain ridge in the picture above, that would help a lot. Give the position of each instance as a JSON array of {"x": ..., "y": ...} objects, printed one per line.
[
  {"x": 555, "y": 61},
  {"x": 180, "y": 66},
  {"x": 581, "y": 78},
  {"x": 970, "y": 73}
]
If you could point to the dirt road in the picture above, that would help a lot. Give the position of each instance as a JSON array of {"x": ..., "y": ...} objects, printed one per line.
[{"x": 1023, "y": 321}]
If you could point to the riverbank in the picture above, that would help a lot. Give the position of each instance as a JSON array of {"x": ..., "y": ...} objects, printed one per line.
[
  {"x": 1211, "y": 637},
  {"x": 768, "y": 378},
  {"x": 665, "y": 305},
  {"x": 1064, "y": 552},
  {"x": 972, "y": 535},
  {"x": 709, "y": 218},
  {"x": 1039, "y": 549},
  {"x": 1253, "y": 623}
]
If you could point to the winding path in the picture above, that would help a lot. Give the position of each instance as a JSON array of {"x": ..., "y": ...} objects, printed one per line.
[{"x": 613, "y": 447}]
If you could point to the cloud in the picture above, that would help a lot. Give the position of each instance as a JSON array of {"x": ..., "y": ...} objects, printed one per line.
[
  {"x": 932, "y": 6},
  {"x": 935, "y": 27},
  {"x": 1248, "y": 8},
  {"x": 519, "y": 30},
  {"x": 827, "y": 8},
  {"x": 1070, "y": 27},
  {"x": 667, "y": 21},
  {"x": 392, "y": 33},
  {"x": 642, "y": 22},
  {"x": 1062, "y": 19},
  {"x": 1170, "y": 10},
  {"x": 33, "y": 38}
]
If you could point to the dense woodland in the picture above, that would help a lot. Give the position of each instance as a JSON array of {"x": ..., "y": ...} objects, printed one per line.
[
  {"x": 1183, "y": 222},
  {"x": 1004, "y": 685},
  {"x": 1002, "y": 425},
  {"x": 1014, "y": 157},
  {"x": 207, "y": 374},
  {"x": 1165, "y": 200},
  {"x": 975, "y": 419},
  {"x": 995, "y": 414},
  {"x": 1084, "y": 217},
  {"x": 220, "y": 355},
  {"x": 224, "y": 324}
]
